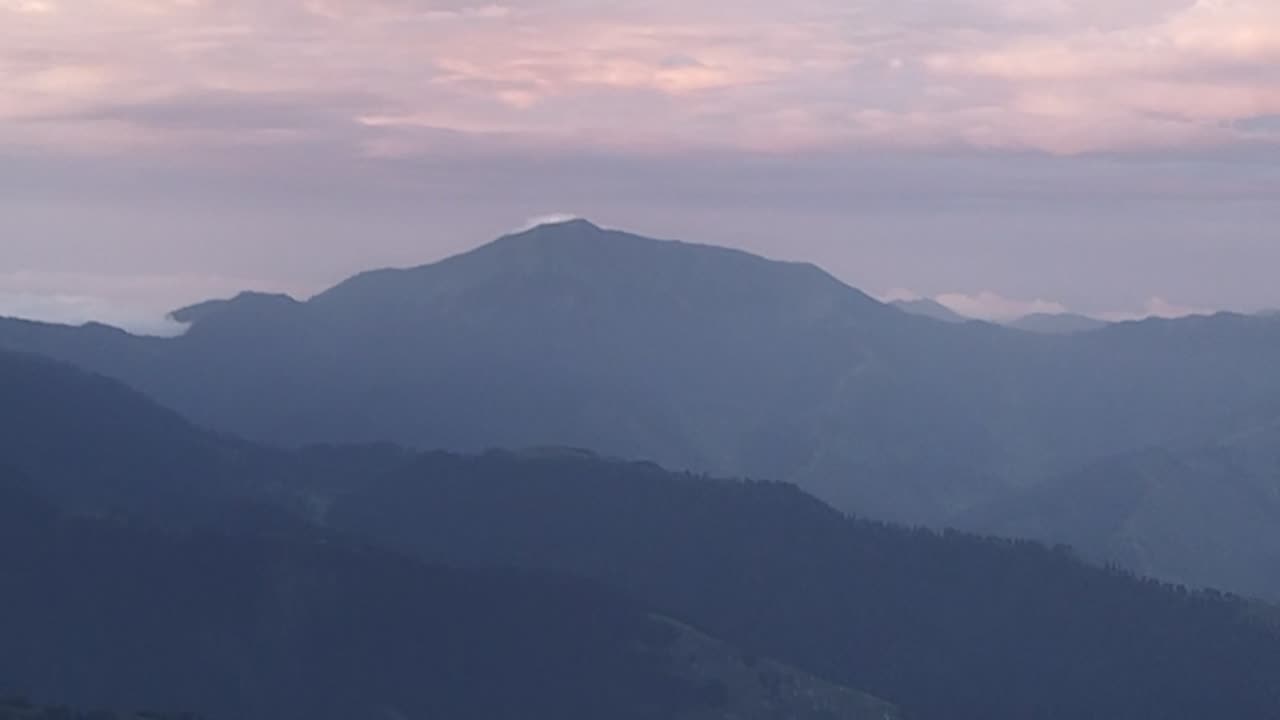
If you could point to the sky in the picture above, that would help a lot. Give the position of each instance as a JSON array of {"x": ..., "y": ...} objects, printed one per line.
[{"x": 1112, "y": 157}]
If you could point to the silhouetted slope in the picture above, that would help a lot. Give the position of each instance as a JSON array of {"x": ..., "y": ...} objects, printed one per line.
[
  {"x": 925, "y": 307},
  {"x": 100, "y": 614},
  {"x": 948, "y": 626},
  {"x": 1057, "y": 324},
  {"x": 238, "y": 309},
  {"x": 90, "y": 439},
  {"x": 89, "y": 443},
  {"x": 268, "y": 618},
  {"x": 1205, "y": 516}
]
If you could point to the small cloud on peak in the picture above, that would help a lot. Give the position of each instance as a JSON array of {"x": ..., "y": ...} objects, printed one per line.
[
  {"x": 548, "y": 219},
  {"x": 1157, "y": 307}
]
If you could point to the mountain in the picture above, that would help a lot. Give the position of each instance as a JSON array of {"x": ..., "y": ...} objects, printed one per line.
[
  {"x": 1045, "y": 323},
  {"x": 183, "y": 577},
  {"x": 554, "y": 583},
  {"x": 945, "y": 625},
  {"x": 95, "y": 440},
  {"x": 1057, "y": 324},
  {"x": 245, "y": 304},
  {"x": 98, "y": 614},
  {"x": 1205, "y": 516},
  {"x": 98, "y": 446},
  {"x": 105, "y": 612},
  {"x": 930, "y": 309},
  {"x": 569, "y": 335},
  {"x": 696, "y": 357}
]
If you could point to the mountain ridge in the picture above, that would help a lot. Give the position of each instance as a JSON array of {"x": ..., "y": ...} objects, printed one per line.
[
  {"x": 695, "y": 357},
  {"x": 1057, "y": 323},
  {"x": 929, "y": 308},
  {"x": 1206, "y": 515}
]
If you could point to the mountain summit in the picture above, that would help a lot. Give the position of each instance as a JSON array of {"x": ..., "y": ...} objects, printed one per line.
[{"x": 579, "y": 263}]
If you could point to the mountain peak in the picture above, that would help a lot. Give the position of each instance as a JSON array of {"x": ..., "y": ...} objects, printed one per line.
[
  {"x": 576, "y": 264},
  {"x": 246, "y": 302},
  {"x": 556, "y": 226},
  {"x": 568, "y": 223},
  {"x": 1057, "y": 323},
  {"x": 571, "y": 231}
]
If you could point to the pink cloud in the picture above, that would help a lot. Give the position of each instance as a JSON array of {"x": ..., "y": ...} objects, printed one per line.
[
  {"x": 1156, "y": 307},
  {"x": 1059, "y": 75}
]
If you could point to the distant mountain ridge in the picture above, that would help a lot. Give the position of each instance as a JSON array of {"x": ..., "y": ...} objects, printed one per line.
[
  {"x": 642, "y": 348},
  {"x": 930, "y": 309},
  {"x": 1057, "y": 324},
  {"x": 1044, "y": 323},
  {"x": 695, "y": 357},
  {"x": 242, "y": 303},
  {"x": 1207, "y": 515}
]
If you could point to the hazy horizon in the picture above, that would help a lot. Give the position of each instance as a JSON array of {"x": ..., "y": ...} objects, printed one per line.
[
  {"x": 1108, "y": 158},
  {"x": 141, "y": 317}
]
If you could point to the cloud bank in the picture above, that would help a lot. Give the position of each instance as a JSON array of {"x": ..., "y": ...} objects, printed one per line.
[
  {"x": 385, "y": 77},
  {"x": 994, "y": 307},
  {"x": 78, "y": 310}
]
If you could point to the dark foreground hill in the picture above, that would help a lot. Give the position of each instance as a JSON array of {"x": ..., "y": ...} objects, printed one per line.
[
  {"x": 948, "y": 627},
  {"x": 101, "y": 614}
]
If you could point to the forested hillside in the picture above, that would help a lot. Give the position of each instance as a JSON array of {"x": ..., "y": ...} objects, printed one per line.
[
  {"x": 947, "y": 625},
  {"x": 274, "y": 559},
  {"x": 102, "y": 614}
]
